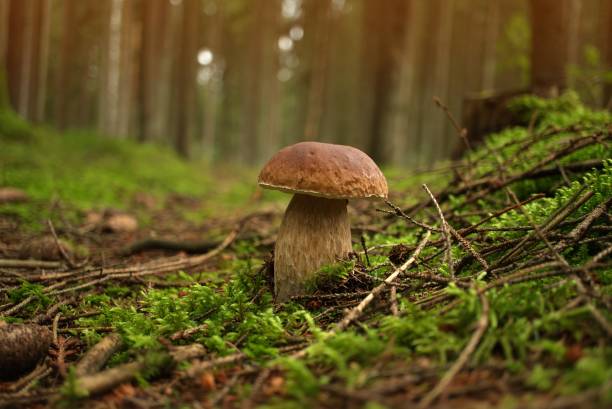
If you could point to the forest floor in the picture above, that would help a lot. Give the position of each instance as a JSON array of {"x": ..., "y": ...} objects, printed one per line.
[{"x": 129, "y": 279}]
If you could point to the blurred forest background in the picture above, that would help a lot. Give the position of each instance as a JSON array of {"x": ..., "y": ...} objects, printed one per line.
[{"x": 235, "y": 80}]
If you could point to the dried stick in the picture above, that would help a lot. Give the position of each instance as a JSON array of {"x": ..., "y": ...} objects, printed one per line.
[
  {"x": 109, "y": 378},
  {"x": 553, "y": 220},
  {"x": 152, "y": 268},
  {"x": 22, "y": 383},
  {"x": 186, "y": 333},
  {"x": 483, "y": 323},
  {"x": 356, "y": 312},
  {"x": 99, "y": 354},
  {"x": 578, "y": 278},
  {"x": 461, "y": 132},
  {"x": 446, "y": 232},
  {"x": 399, "y": 212},
  {"x": 29, "y": 263},
  {"x": 55, "y": 326},
  {"x": 59, "y": 246},
  {"x": 393, "y": 300},
  {"x": 199, "y": 367},
  {"x": 466, "y": 244},
  {"x": 579, "y": 231},
  {"x": 256, "y": 389}
]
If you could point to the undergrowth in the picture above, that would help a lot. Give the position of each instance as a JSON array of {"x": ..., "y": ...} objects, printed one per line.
[
  {"x": 531, "y": 334},
  {"x": 82, "y": 171}
]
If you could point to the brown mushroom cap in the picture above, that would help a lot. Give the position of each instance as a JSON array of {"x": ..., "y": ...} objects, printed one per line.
[{"x": 324, "y": 170}]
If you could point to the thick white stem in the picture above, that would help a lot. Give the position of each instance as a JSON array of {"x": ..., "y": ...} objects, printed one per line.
[{"x": 314, "y": 232}]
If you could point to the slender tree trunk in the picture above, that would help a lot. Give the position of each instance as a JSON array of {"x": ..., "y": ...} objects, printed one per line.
[
  {"x": 607, "y": 91},
  {"x": 549, "y": 45},
  {"x": 4, "y": 24},
  {"x": 384, "y": 28},
  {"x": 186, "y": 74},
  {"x": 402, "y": 127},
  {"x": 153, "y": 13},
  {"x": 214, "y": 89},
  {"x": 111, "y": 87},
  {"x": 270, "y": 87},
  {"x": 33, "y": 93},
  {"x": 320, "y": 62},
  {"x": 573, "y": 14},
  {"x": 19, "y": 53},
  {"x": 153, "y": 75},
  {"x": 62, "y": 90},
  {"x": 435, "y": 122},
  {"x": 251, "y": 122},
  {"x": 490, "y": 41},
  {"x": 38, "y": 109},
  {"x": 128, "y": 44}
]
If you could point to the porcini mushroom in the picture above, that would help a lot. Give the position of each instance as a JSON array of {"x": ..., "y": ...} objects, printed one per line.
[{"x": 316, "y": 230}]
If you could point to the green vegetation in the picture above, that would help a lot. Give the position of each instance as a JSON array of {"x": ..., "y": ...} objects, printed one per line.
[
  {"x": 84, "y": 171},
  {"x": 539, "y": 329}
]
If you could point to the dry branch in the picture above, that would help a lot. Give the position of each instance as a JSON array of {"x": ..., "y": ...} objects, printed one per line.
[
  {"x": 99, "y": 354},
  {"x": 354, "y": 313},
  {"x": 109, "y": 378},
  {"x": 483, "y": 323},
  {"x": 445, "y": 231}
]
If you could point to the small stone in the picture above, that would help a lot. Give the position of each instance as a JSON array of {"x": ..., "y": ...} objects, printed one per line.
[
  {"x": 275, "y": 386},
  {"x": 121, "y": 223},
  {"x": 22, "y": 346},
  {"x": 45, "y": 248},
  {"x": 12, "y": 195}
]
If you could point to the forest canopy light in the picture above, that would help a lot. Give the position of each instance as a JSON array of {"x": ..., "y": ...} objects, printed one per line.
[{"x": 316, "y": 230}]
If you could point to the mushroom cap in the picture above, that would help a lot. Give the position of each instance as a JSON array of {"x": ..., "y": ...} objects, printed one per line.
[{"x": 324, "y": 170}]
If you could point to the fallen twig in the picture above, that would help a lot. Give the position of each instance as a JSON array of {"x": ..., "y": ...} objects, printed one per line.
[
  {"x": 354, "y": 313},
  {"x": 445, "y": 231},
  {"x": 60, "y": 248},
  {"x": 483, "y": 323},
  {"x": 99, "y": 354},
  {"x": 109, "y": 378},
  {"x": 13, "y": 263}
]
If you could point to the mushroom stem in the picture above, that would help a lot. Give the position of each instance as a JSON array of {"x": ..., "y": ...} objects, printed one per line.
[{"x": 314, "y": 232}]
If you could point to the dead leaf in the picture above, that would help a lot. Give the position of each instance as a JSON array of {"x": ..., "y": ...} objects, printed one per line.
[{"x": 207, "y": 381}]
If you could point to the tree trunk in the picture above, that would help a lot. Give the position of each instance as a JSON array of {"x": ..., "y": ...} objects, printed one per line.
[
  {"x": 550, "y": 41},
  {"x": 129, "y": 42},
  {"x": 19, "y": 53},
  {"x": 270, "y": 87},
  {"x": 213, "y": 91},
  {"x": 113, "y": 93},
  {"x": 435, "y": 121},
  {"x": 607, "y": 91},
  {"x": 186, "y": 74},
  {"x": 402, "y": 126},
  {"x": 384, "y": 30},
  {"x": 4, "y": 23},
  {"x": 62, "y": 90},
  {"x": 320, "y": 62},
  {"x": 492, "y": 27},
  {"x": 252, "y": 89},
  {"x": 40, "y": 95},
  {"x": 153, "y": 16}
]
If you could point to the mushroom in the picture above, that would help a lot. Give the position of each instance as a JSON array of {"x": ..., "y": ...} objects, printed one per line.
[{"x": 316, "y": 230}]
